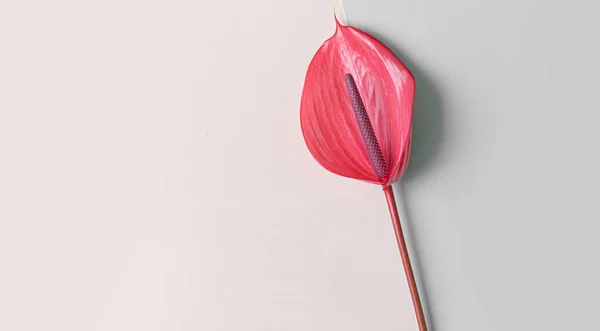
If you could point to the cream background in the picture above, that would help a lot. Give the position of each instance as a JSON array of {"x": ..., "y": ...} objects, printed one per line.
[{"x": 153, "y": 175}]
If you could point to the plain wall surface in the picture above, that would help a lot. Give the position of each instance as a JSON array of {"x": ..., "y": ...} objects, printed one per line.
[
  {"x": 153, "y": 175},
  {"x": 502, "y": 191}
]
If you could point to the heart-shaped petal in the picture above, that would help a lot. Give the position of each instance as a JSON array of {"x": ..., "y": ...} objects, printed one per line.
[{"x": 356, "y": 108}]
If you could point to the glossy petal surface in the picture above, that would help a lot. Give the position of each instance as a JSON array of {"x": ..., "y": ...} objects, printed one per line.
[{"x": 329, "y": 123}]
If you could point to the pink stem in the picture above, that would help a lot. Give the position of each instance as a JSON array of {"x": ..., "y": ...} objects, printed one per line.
[{"x": 410, "y": 277}]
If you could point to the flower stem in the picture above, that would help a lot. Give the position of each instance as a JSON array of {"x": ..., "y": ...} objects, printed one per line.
[{"x": 410, "y": 277}]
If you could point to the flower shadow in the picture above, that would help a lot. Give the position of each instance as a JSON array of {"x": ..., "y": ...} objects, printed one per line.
[{"x": 428, "y": 130}]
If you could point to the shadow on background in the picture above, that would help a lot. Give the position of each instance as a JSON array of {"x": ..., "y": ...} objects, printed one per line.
[
  {"x": 428, "y": 126},
  {"x": 428, "y": 121}
]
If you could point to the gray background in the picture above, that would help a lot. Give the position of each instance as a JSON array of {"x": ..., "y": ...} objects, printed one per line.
[{"x": 501, "y": 195}]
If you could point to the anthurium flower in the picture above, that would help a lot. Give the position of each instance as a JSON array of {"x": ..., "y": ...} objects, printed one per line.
[
  {"x": 356, "y": 108},
  {"x": 356, "y": 116}
]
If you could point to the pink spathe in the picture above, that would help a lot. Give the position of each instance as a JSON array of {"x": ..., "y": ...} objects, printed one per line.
[{"x": 329, "y": 123}]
